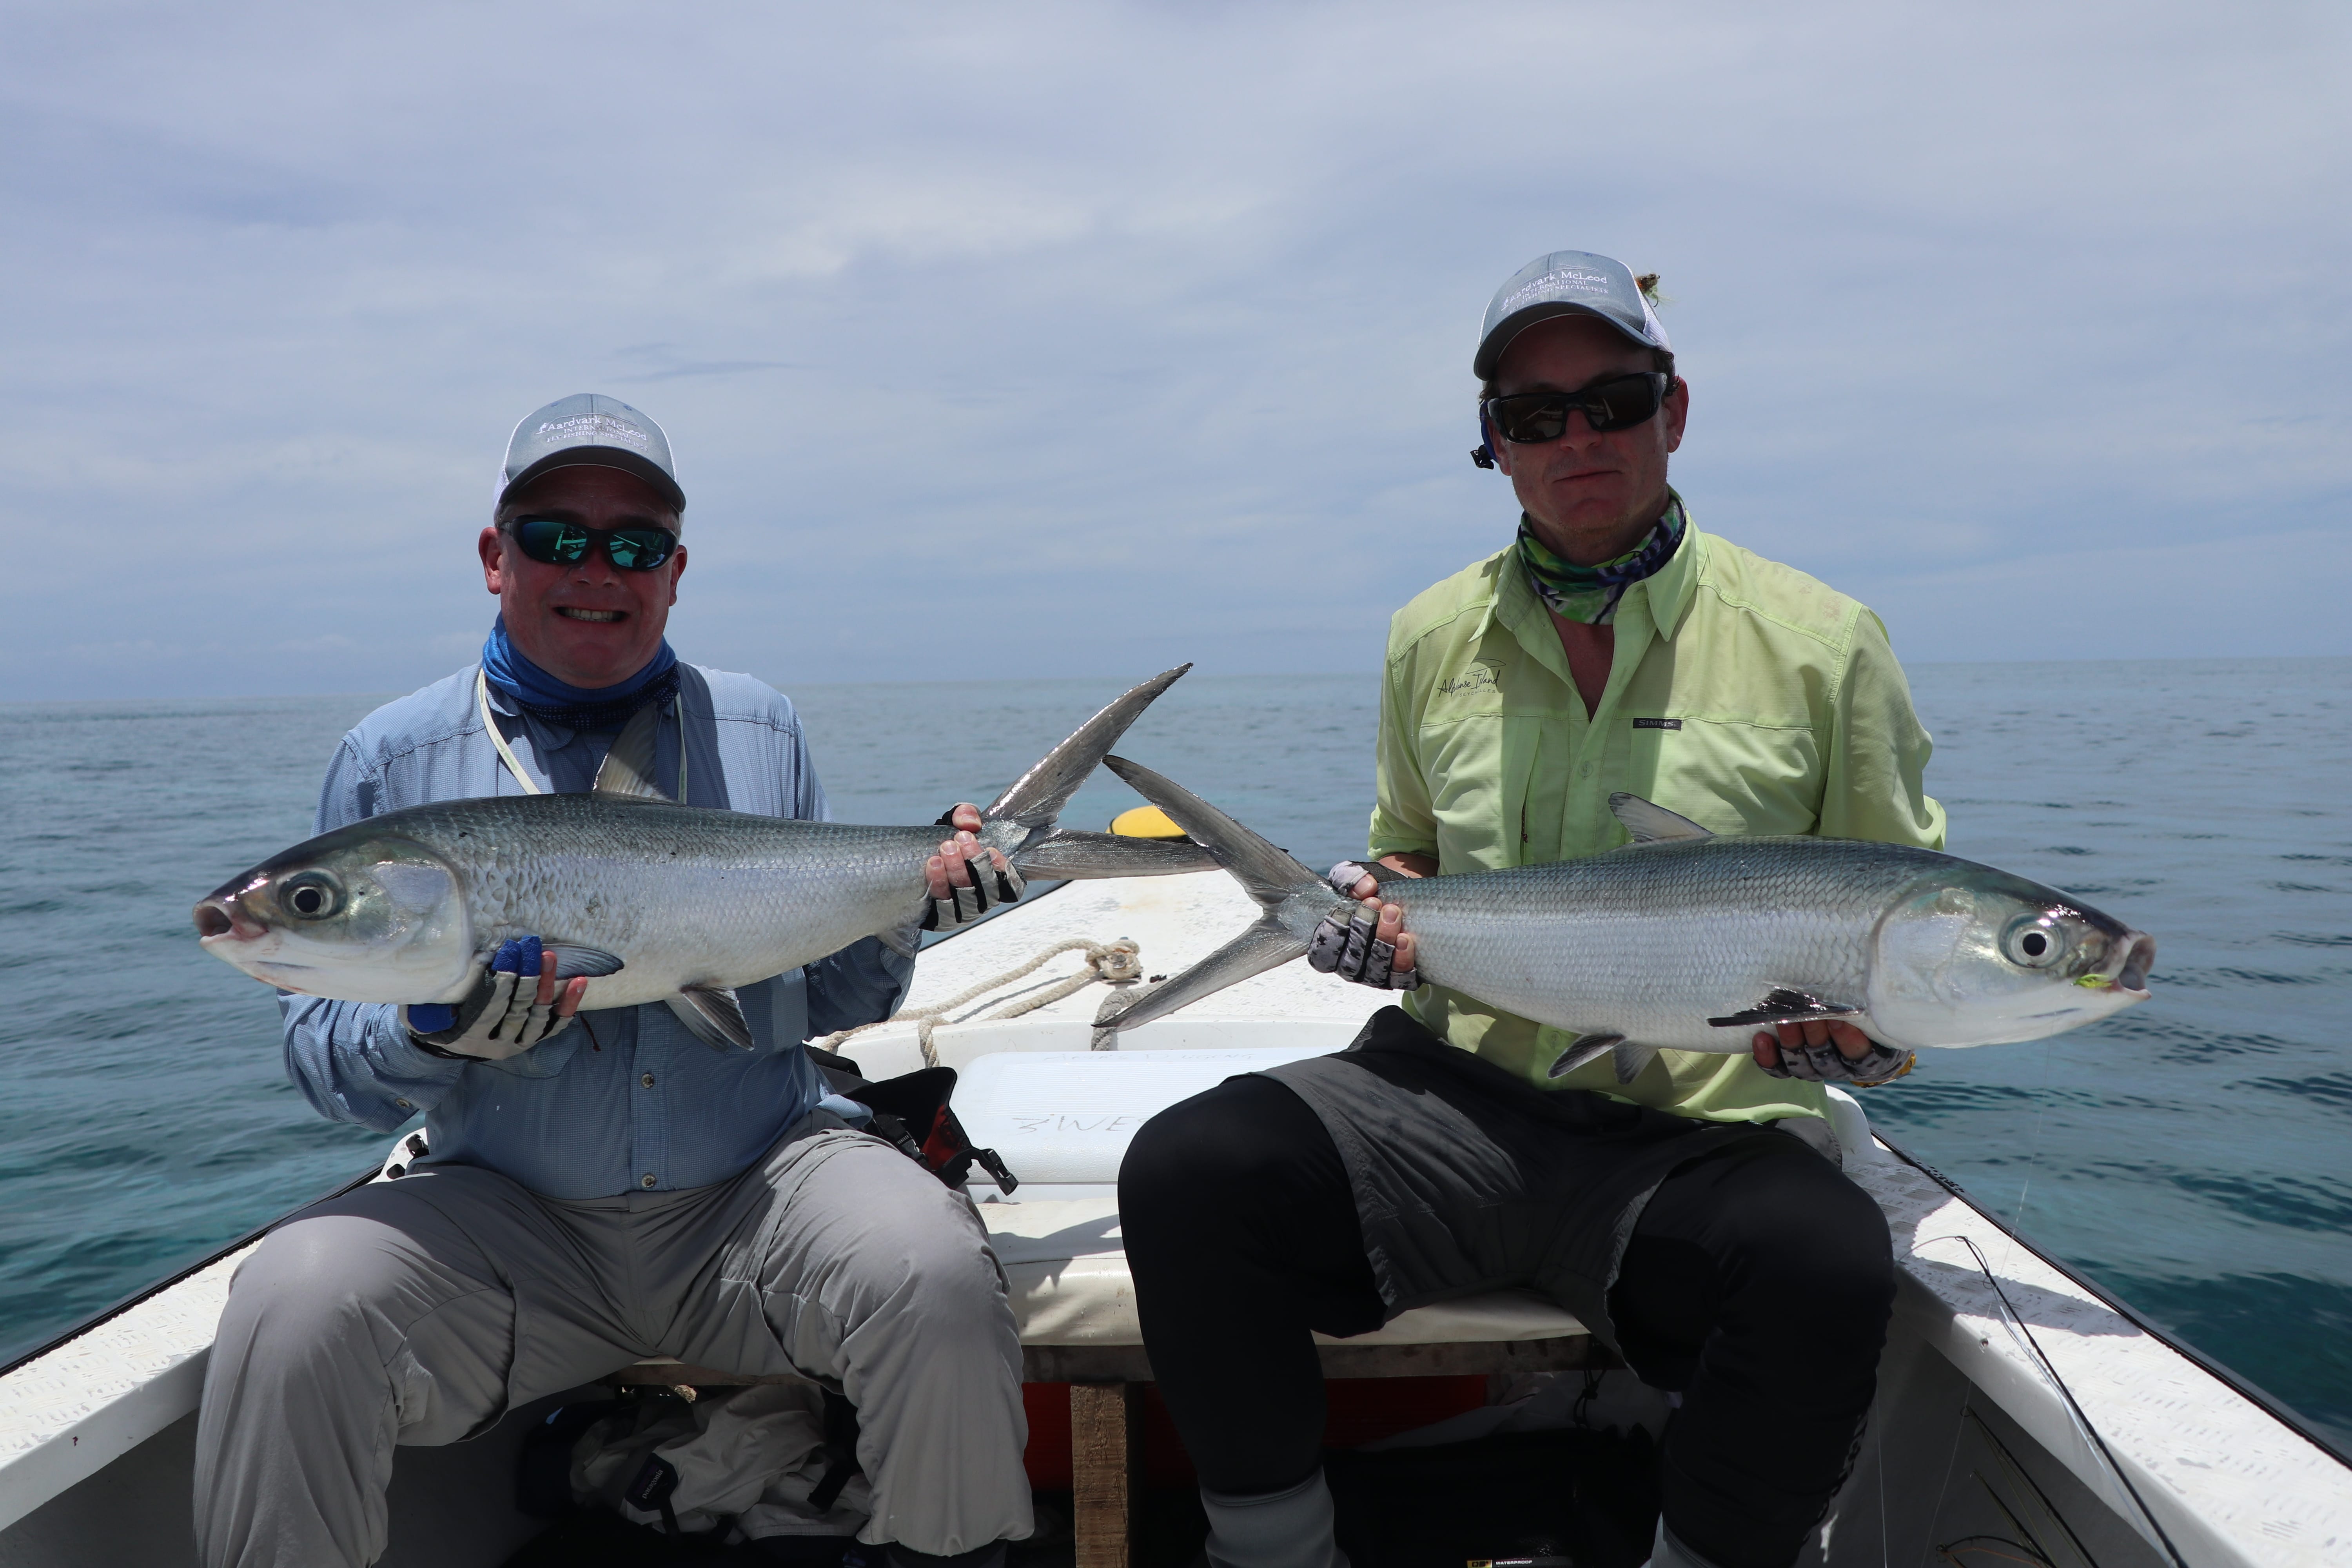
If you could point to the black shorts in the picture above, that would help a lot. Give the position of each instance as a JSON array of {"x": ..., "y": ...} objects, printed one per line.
[{"x": 1463, "y": 1181}]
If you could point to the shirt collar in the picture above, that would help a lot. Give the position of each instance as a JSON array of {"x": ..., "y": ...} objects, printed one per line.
[{"x": 505, "y": 707}]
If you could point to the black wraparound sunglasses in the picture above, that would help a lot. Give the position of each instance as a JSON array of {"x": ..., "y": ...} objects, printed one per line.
[
  {"x": 1619, "y": 403},
  {"x": 555, "y": 542}
]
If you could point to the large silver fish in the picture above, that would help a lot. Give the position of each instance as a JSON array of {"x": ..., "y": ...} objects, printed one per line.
[
  {"x": 658, "y": 902},
  {"x": 1685, "y": 941}
]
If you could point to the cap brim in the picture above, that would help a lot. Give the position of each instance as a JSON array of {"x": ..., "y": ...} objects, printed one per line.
[
  {"x": 645, "y": 469},
  {"x": 1491, "y": 348}
]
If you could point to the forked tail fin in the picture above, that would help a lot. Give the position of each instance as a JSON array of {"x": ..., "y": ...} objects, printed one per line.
[
  {"x": 1271, "y": 876},
  {"x": 1254, "y": 952},
  {"x": 1035, "y": 798}
]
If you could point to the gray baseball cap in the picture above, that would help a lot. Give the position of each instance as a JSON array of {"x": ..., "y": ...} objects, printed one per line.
[
  {"x": 1566, "y": 283},
  {"x": 591, "y": 430}
]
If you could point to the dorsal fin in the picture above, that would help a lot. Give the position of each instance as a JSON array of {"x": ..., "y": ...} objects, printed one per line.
[
  {"x": 1650, "y": 823},
  {"x": 628, "y": 769}
]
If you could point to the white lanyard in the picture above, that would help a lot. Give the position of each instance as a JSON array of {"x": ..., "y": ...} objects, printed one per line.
[{"x": 506, "y": 753}]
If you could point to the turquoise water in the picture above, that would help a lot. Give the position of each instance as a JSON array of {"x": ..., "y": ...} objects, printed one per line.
[{"x": 2194, "y": 1155}]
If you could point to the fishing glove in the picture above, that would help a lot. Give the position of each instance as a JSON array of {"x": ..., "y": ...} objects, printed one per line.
[
  {"x": 1349, "y": 950},
  {"x": 1826, "y": 1064},
  {"x": 503, "y": 1017},
  {"x": 989, "y": 888}
]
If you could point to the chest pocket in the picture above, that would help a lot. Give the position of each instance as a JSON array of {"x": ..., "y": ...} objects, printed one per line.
[
  {"x": 1727, "y": 776},
  {"x": 1462, "y": 738}
]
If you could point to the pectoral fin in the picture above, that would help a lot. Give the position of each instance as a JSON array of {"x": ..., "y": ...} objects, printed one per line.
[
  {"x": 1630, "y": 1060},
  {"x": 1782, "y": 1006},
  {"x": 1588, "y": 1048},
  {"x": 713, "y": 1016},
  {"x": 573, "y": 961}
]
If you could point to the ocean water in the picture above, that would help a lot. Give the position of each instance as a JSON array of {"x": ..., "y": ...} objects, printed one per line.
[{"x": 2194, "y": 1155}]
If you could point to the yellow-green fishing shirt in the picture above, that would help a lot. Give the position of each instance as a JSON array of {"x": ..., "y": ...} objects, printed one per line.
[{"x": 1744, "y": 694}]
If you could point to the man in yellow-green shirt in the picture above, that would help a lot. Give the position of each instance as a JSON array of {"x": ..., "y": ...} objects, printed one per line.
[
  {"x": 1732, "y": 689},
  {"x": 1610, "y": 647}
]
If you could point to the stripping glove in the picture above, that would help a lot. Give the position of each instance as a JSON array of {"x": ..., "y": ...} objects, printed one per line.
[
  {"x": 1348, "y": 949},
  {"x": 502, "y": 1017},
  {"x": 989, "y": 888},
  {"x": 1826, "y": 1064}
]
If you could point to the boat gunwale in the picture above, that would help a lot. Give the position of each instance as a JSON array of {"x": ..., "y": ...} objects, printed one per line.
[{"x": 2268, "y": 1403}]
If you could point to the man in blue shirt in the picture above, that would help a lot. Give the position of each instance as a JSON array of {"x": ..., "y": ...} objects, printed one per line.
[{"x": 605, "y": 1187}]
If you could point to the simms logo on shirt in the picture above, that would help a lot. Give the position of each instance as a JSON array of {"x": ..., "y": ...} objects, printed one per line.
[{"x": 1657, "y": 723}]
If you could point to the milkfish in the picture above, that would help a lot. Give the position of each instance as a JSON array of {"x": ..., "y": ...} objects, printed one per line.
[
  {"x": 652, "y": 900},
  {"x": 1685, "y": 940}
]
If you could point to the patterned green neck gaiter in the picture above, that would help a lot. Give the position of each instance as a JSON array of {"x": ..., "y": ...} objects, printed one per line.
[{"x": 1589, "y": 593}]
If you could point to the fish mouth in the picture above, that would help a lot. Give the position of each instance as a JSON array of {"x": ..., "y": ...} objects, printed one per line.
[
  {"x": 2135, "y": 955},
  {"x": 219, "y": 920}
]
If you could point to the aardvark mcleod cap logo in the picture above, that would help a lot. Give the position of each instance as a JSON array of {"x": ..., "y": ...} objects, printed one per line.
[
  {"x": 594, "y": 427},
  {"x": 1570, "y": 280}
]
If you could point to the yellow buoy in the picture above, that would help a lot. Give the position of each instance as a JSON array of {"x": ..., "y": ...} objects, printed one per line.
[{"x": 1145, "y": 822}]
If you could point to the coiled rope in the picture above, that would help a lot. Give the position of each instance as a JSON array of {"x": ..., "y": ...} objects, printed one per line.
[{"x": 1112, "y": 962}]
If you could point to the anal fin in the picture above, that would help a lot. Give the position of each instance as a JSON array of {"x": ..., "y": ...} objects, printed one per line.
[
  {"x": 1630, "y": 1060},
  {"x": 1782, "y": 1006},
  {"x": 906, "y": 941},
  {"x": 713, "y": 1016}
]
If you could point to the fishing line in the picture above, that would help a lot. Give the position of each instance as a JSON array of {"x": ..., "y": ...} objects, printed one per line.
[
  {"x": 2034, "y": 1159},
  {"x": 2015, "y": 1322},
  {"x": 1959, "y": 1430},
  {"x": 1878, "y": 1444}
]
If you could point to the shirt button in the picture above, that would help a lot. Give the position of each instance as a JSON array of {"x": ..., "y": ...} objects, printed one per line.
[
  {"x": 403, "y": 1105},
  {"x": 647, "y": 1180},
  {"x": 1586, "y": 771},
  {"x": 647, "y": 1080}
]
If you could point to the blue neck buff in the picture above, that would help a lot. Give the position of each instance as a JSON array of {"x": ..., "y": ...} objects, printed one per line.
[{"x": 543, "y": 696}]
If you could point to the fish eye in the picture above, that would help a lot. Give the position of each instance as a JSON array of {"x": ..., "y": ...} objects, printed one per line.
[
  {"x": 309, "y": 894},
  {"x": 2035, "y": 942}
]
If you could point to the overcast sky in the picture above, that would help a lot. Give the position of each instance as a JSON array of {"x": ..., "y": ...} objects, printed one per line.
[{"x": 1005, "y": 341}]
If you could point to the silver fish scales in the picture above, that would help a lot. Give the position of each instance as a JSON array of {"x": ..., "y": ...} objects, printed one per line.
[{"x": 1685, "y": 941}]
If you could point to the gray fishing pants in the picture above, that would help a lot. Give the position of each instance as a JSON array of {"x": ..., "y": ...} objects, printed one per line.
[{"x": 419, "y": 1310}]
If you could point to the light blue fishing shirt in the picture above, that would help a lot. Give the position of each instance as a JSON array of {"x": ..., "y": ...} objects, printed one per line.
[{"x": 629, "y": 1102}]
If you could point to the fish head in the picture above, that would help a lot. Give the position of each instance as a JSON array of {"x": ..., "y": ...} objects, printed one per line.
[
  {"x": 1972, "y": 956},
  {"x": 355, "y": 915}
]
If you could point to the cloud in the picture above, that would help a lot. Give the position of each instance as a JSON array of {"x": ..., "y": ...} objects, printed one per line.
[{"x": 1147, "y": 326}]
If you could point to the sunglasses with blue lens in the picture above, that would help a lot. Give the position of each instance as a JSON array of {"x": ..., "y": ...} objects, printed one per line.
[{"x": 554, "y": 542}]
